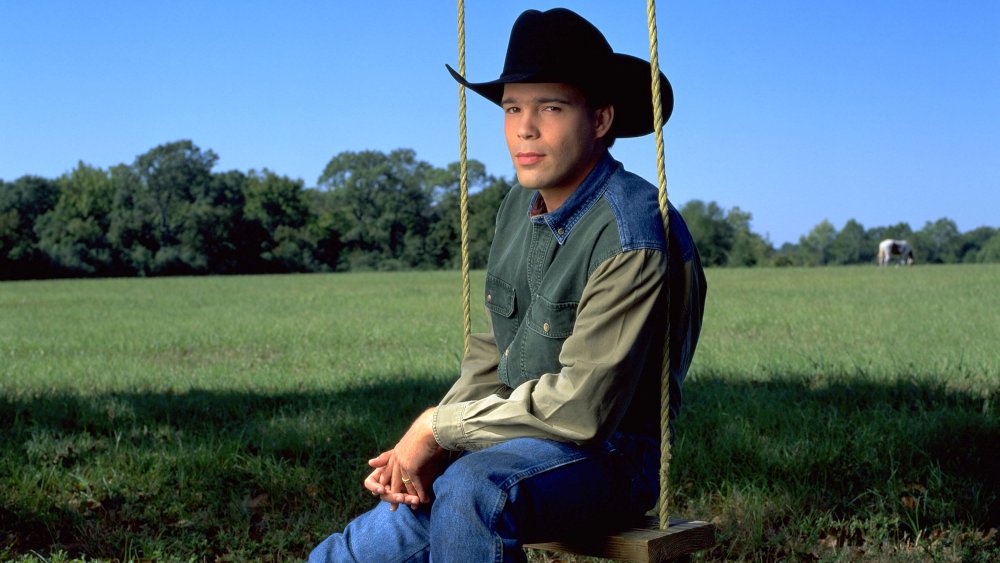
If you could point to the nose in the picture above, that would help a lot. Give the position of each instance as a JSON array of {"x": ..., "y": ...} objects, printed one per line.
[{"x": 526, "y": 126}]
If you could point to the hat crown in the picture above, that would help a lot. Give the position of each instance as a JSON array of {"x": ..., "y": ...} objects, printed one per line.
[
  {"x": 555, "y": 45},
  {"x": 561, "y": 46}
]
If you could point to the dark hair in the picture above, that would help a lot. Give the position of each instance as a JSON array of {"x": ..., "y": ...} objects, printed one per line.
[{"x": 597, "y": 95}]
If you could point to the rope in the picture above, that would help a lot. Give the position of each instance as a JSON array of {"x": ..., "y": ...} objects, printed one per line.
[
  {"x": 463, "y": 182},
  {"x": 654, "y": 71}
]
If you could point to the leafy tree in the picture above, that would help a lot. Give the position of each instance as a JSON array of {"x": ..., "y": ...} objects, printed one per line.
[
  {"x": 154, "y": 208},
  {"x": 216, "y": 228},
  {"x": 325, "y": 229},
  {"x": 970, "y": 243},
  {"x": 850, "y": 245},
  {"x": 483, "y": 207},
  {"x": 815, "y": 246},
  {"x": 21, "y": 203},
  {"x": 443, "y": 243},
  {"x": 280, "y": 221},
  {"x": 711, "y": 231},
  {"x": 789, "y": 254},
  {"x": 75, "y": 233},
  {"x": 748, "y": 248},
  {"x": 990, "y": 252},
  {"x": 937, "y": 242},
  {"x": 869, "y": 246},
  {"x": 386, "y": 201}
]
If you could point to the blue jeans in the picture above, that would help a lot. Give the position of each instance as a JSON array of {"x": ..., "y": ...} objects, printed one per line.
[{"x": 489, "y": 502}]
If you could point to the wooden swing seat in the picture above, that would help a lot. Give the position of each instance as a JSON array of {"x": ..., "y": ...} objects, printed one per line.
[{"x": 643, "y": 541}]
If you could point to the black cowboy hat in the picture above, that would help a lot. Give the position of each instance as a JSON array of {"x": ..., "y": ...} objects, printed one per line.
[{"x": 560, "y": 46}]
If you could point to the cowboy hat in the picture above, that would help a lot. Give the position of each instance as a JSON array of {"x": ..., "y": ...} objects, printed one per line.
[{"x": 560, "y": 46}]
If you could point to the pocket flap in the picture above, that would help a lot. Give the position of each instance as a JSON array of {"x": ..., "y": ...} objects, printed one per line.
[
  {"x": 499, "y": 296},
  {"x": 554, "y": 320}
]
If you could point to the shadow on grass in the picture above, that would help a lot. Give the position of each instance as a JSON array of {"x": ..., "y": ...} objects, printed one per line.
[
  {"x": 794, "y": 465},
  {"x": 787, "y": 466},
  {"x": 248, "y": 475}
]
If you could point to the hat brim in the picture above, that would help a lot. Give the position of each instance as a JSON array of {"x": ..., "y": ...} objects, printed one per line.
[{"x": 629, "y": 79}]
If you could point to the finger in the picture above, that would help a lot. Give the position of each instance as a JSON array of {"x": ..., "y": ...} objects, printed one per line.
[
  {"x": 418, "y": 490},
  {"x": 396, "y": 481},
  {"x": 397, "y": 485},
  {"x": 413, "y": 486},
  {"x": 410, "y": 484},
  {"x": 396, "y": 499},
  {"x": 372, "y": 482},
  {"x": 386, "y": 477},
  {"x": 380, "y": 460}
]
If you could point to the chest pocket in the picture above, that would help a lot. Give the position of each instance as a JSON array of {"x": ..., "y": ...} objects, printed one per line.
[
  {"x": 499, "y": 296},
  {"x": 548, "y": 326},
  {"x": 552, "y": 320}
]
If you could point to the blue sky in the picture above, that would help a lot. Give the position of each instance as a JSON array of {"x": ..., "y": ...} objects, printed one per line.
[{"x": 880, "y": 110}]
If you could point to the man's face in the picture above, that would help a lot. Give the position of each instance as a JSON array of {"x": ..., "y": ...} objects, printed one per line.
[{"x": 552, "y": 135}]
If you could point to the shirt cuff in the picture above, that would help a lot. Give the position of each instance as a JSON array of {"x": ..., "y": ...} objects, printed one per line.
[{"x": 447, "y": 425}]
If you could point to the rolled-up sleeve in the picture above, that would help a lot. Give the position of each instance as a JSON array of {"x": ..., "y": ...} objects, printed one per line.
[{"x": 601, "y": 367}]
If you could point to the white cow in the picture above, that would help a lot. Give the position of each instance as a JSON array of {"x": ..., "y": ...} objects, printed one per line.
[{"x": 892, "y": 247}]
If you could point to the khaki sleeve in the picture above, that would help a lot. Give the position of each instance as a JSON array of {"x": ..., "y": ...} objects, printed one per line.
[
  {"x": 601, "y": 367},
  {"x": 478, "y": 376}
]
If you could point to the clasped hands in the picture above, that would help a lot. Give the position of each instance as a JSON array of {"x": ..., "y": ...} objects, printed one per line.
[{"x": 404, "y": 474}]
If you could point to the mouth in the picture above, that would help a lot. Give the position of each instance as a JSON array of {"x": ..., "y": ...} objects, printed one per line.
[{"x": 527, "y": 158}]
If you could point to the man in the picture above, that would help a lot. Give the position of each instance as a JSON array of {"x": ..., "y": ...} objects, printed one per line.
[{"x": 553, "y": 424}]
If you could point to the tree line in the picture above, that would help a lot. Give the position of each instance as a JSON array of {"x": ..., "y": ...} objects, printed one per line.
[
  {"x": 169, "y": 213},
  {"x": 724, "y": 238}
]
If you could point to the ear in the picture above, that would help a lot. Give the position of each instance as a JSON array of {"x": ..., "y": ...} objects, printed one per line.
[{"x": 603, "y": 118}]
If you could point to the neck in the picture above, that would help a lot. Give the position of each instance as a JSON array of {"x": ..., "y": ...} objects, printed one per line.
[{"x": 555, "y": 197}]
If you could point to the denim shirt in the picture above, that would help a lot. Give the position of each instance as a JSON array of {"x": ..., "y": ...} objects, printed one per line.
[{"x": 578, "y": 317}]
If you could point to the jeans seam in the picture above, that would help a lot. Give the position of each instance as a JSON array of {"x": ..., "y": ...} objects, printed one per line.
[{"x": 497, "y": 511}]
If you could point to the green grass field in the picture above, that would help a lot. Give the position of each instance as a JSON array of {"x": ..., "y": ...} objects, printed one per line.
[{"x": 834, "y": 414}]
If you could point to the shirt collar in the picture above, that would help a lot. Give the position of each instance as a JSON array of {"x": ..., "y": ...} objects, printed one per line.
[{"x": 562, "y": 220}]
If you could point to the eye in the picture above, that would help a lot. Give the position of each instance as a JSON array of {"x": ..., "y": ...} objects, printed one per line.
[
  {"x": 551, "y": 108},
  {"x": 511, "y": 109}
]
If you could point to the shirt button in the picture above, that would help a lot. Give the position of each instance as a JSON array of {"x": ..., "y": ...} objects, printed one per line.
[
  {"x": 507, "y": 351},
  {"x": 561, "y": 231},
  {"x": 546, "y": 327},
  {"x": 489, "y": 297}
]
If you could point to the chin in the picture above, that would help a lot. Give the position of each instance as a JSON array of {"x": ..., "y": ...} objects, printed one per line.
[{"x": 529, "y": 181}]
